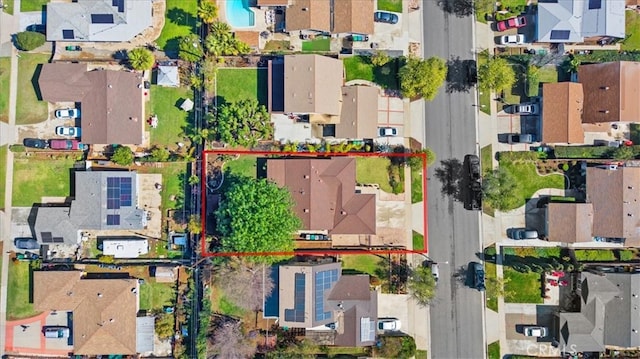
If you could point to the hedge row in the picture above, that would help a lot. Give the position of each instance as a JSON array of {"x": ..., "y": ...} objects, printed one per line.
[{"x": 513, "y": 156}]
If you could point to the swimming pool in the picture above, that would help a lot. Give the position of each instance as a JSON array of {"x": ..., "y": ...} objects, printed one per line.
[{"x": 239, "y": 14}]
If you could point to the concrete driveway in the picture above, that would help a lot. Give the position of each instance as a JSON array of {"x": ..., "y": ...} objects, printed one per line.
[
  {"x": 395, "y": 306},
  {"x": 519, "y": 315},
  {"x": 25, "y": 336}
]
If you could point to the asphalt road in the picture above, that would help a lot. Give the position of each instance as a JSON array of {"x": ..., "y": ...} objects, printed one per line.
[{"x": 454, "y": 234}]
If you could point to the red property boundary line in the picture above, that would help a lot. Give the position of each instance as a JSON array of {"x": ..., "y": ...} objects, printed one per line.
[{"x": 318, "y": 252}]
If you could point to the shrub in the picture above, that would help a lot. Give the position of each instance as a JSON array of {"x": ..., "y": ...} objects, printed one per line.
[
  {"x": 397, "y": 347},
  {"x": 509, "y": 251},
  {"x": 533, "y": 80},
  {"x": 29, "y": 40},
  {"x": 582, "y": 151},
  {"x": 514, "y": 156},
  {"x": 627, "y": 255},
  {"x": 17, "y": 148},
  {"x": 565, "y": 167},
  {"x": 594, "y": 255},
  {"x": 490, "y": 251},
  {"x": 122, "y": 156}
]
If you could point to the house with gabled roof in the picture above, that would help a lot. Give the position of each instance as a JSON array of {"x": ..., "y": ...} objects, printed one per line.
[
  {"x": 562, "y": 107},
  {"x": 570, "y": 222},
  {"x": 330, "y": 16}
]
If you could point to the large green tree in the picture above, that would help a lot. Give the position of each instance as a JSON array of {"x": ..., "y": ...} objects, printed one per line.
[
  {"x": 141, "y": 59},
  {"x": 499, "y": 189},
  {"x": 422, "y": 78},
  {"x": 29, "y": 40},
  {"x": 256, "y": 215},
  {"x": 221, "y": 42},
  {"x": 422, "y": 285},
  {"x": 496, "y": 74},
  {"x": 208, "y": 11},
  {"x": 122, "y": 156},
  {"x": 190, "y": 48},
  {"x": 242, "y": 123}
]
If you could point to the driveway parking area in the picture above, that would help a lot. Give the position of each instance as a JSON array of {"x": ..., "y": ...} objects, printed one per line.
[
  {"x": 25, "y": 336},
  {"x": 395, "y": 306},
  {"x": 519, "y": 315}
]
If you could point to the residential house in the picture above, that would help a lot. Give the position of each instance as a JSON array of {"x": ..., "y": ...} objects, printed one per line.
[
  {"x": 313, "y": 295},
  {"x": 330, "y": 16},
  {"x": 611, "y": 91},
  {"x": 111, "y": 101},
  {"x": 609, "y": 314},
  {"x": 359, "y": 113},
  {"x": 124, "y": 247},
  {"x": 562, "y": 106},
  {"x": 104, "y": 201},
  {"x": 325, "y": 196},
  {"x": 97, "y": 20},
  {"x": 570, "y": 222},
  {"x": 104, "y": 310},
  {"x": 576, "y": 21}
]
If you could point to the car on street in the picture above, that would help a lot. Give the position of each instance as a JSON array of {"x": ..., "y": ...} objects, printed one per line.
[
  {"x": 526, "y": 109},
  {"x": 385, "y": 17},
  {"x": 389, "y": 324},
  {"x": 388, "y": 131},
  {"x": 68, "y": 113},
  {"x": 35, "y": 143},
  {"x": 477, "y": 276},
  {"x": 67, "y": 145},
  {"x": 473, "y": 194},
  {"x": 473, "y": 163},
  {"x": 513, "y": 23},
  {"x": 537, "y": 332},
  {"x": 56, "y": 332},
  {"x": 68, "y": 131},
  {"x": 520, "y": 138},
  {"x": 522, "y": 233},
  {"x": 512, "y": 39},
  {"x": 26, "y": 243},
  {"x": 435, "y": 271}
]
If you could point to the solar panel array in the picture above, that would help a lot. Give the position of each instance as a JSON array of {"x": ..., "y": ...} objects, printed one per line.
[
  {"x": 67, "y": 34},
  {"x": 297, "y": 313},
  {"x": 119, "y": 4},
  {"x": 113, "y": 219},
  {"x": 367, "y": 330},
  {"x": 560, "y": 34},
  {"x": 102, "y": 18},
  {"x": 47, "y": 237},
  {"x": 324, "y": 281},
  {"x": 118, "y": 192}
]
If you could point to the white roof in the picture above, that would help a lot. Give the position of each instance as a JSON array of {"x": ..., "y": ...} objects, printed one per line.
[
  {"x": 168, "y": 76},
  {"x": 125, "y": 248}
]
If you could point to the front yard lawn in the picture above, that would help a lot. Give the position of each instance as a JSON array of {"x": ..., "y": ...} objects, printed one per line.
[
  {"x": 522, "y": 287},
  {"x": 173, "y": 184},
  {"x": 172, "y": 121},
  {"x": 233, "y": 85},
  {"x": 493, "y": 350},
  {"x": 528, "y": 181},
  {"x": 19, "y": 291},
  {"x": 548, "y": 73},
  {"x": 418, "y": 241},
  {"x": 32, "y": 5},
  {"x": 363, "y": 263},
  {"x": 319, "y": 44},
  {"x": 484, "y": 96},
  {"x": 181, "y": 19},
  {"x": 29, "y": 109},
  {"x": 154, "y": 296},
  {"x": 244, "y": 165},
  {"x": 9, "y": 6},
  {"x": 3, "y": 173},
  {"x": 361, "y": 68},
  {"x": 490, "y": 273},
  {"x": 35, "y": 178},
  {"x": 373, "y": 170},
  {"x": 632, "y": 25},
  {"x": 390, "y": 5},
  {"x": 416, "y": 186},
  {"x": 5, "y": 72}
]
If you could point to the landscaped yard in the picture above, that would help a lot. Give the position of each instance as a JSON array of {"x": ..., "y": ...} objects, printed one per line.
[
  {"x": 363, "y": 263},
  {"x": 172, "y": 121},
  {"x": 548, "y": 73},
  {"x": 632, "y": 42},
  {"x": 416, "y": 186},
  {"x": 486, "y": 161},
  {"x": 3, "y": 173},
  {"x": 319, "y": 44},
  {"x": 484, "y": 96},
  {"x": 32, "y": 5},
  {"x": 370, "y": 170},
  {"x": 277, "y": 46},
  {"x": 239, "y": 84},
  {"x": 5, "y": 71},
  {"x": 521, "y": 287},
  {"x": 490, "y": 273},
  {"x": 528, "y": 181},
  {"x": 173, "y": 174},
  {"x": 35, "y": 178},
  {"x": 418, "y": 241},
  {"x": 361, "y": 68},
  {"x": 181, "y": 19},
  {"x": 9, "y": 6},
  {"x": 29, "y": 108},
  {"x": 244, "y": 165},
  {"x": 493, "y": 350},
  {"x": 390, "y": 5},
  {"x": 19, "y": 291},
  {"x": 154, "y": 296}
]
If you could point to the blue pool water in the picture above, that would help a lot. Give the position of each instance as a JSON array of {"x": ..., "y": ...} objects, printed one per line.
[{"x": 239, "y": 14}]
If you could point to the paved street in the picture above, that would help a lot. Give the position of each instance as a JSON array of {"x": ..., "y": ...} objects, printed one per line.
[{"x": 457, "y": 329}]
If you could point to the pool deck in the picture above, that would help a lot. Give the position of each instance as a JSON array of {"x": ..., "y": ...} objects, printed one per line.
[{"x": 259, "y": 16}]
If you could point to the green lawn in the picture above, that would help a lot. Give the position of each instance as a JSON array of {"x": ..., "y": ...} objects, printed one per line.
[
  {"x": 18, "y": 291},
  {"x": 238, "y": 84},
  {"x": 528, "y": 181},
  {"x": 371, "y": 170},
  {"x": 9, "y": 6},
  {"x": 548, "y": 74},
  {"x": 364, "y": 263},
  {"x": 3, "y": 173},
  {"x": 181, "y": 19},
  {"x": 172, "y": 182},
  {"x": 172, "y": 121},
  {"x": 484, "y": 96},
  {"x": 416, "y": 186},
  {"x": 154, "y": 296},
  {"x": 490, "y": 272},
  {"x": 493, "y": 350},
  {"x": 32, "y": 5},
  {"x": 226, "y": 307},
  {"x": 486, "y": 158},
  {"x": 36, "y": 178},
  {"x": 29, "y": 108},
  {"x": 632, "y": 42},
  {"x": 421, "y": 354},
  {"x": 319, "y": 44},
  {"x": 522, "y": 287},
  {"x": 245, "y": 165},
  {"x": 361, "y": 68},
  {"x": 595, "y": 255},
  {"x": 418, "y": 241},
  {"x": 390, "y": 5},
  {"x": 5, "y": 71}
]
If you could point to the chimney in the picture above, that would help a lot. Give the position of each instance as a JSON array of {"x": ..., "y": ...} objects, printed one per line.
[
  {"x": 604, "y": 111},
  {"x": 604, "y": 88},
  {"x": 306, "y": 210}
]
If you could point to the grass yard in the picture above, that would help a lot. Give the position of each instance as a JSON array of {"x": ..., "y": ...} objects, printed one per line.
[
  {"x": 548, "y": 73},
  {"x": 421, "y": 354},
  {"x": 632, "y": 26},
  {"x": 181, "y": 19},
  {"x": 154, "y": 296},
  {"x": 486, "y": 161},
  {"x": 172, "y": 121},
  {"x": 390, "y": 5},
  {"x": 529, "y": 181},
  {"x": 3, "y": 173},
  {"x": 416, "y": 186},
  {"x": 371, "y": 170},
  {"x": 418, "y": 241},
  {"x": 490, "y": 273},
  {"x": 5, "y": 71},
  {"x": 30, "y": 109},
  {"x": 35, "y": 178},
  {"x": 493, "y": 350},
  {"x": 32, "y": 5},
  {"x": 319, "y": 44},
  {"x": 239, "y": 84},
  {"x": 172, "y": 182},
  {"x": 522, "y": 287},
  {"x": 364, "y": 263},
  {"x": 9, "y": 6},
  {"x": 245, "y": 165},
  {"x": 19, "y": 291},
  {"x": 484, "y": 96},
  {"x": 226, "y": 307},
  {"x": 276, "y": 46},
  {"x": 361, "y": 68}
]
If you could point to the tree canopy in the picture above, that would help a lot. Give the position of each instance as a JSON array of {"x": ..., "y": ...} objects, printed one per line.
[
  {"x": 244, "y": 284},
  {"x": 496, "y": 74},
  {"x": 256, "y": 215},
  {"x": 499, "y": 189},
  {"x": 422, "y": 78},
  {"x": 221, "y": 42},
  {"x": 190, "y": 48},
  {"x": 242, "y": 123},
  {"x": 29, "y": 40},
  {"x": 208, "y": 11},
  {"x": 422, "y": 285},
  {"x": 122, "y": 156},
  {"x": 141, "y": 59}
]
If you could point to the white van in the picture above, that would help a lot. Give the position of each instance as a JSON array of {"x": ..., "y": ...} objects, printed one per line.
[{"x": 56, "y": 332}]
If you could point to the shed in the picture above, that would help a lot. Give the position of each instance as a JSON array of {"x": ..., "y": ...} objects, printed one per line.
[
  {"x": 165, "y": 274},
  {"x": 187, "y": 105},
  {"x": 168, "y": 76},
  {"x": 125, "y": 248},
  {"x": 145, "y": 329}
]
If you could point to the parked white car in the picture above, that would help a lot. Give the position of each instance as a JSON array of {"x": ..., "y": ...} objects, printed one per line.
[
  {"x": 538, "y": 332},
  {"x": 68, "y": 113},
  {"x": 388, "y": 131},
  {"x": 512, "y": 39},
  {"x": 389, "y": 324},
  {"x": 68, "y": 131}
]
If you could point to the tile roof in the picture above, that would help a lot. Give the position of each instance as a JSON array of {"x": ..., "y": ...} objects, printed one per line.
[
  {"x": 312, "y": 84},
  {"x": 570, "y": 222},
  {"x": 353, "y": 16},
  {"x": 359, "y": 114},
  {"x": 562, "y": 112},
  {"x": 308, "y": 15}
]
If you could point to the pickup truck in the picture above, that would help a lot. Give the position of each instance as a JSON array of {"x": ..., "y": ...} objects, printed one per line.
[{"x": 67, "y": 145}]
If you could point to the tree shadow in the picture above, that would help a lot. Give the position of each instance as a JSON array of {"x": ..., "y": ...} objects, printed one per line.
[
  {"x": 180, "y": 17},
  {"x": 459, "y": 8},
  {"x": 460, "y": 75},
  {"x": 450, "y": 174},
  {"x": 34, "y": 81}
]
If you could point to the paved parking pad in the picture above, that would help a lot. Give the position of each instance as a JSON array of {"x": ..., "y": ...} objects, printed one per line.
[{"x": 25, "y": 336}]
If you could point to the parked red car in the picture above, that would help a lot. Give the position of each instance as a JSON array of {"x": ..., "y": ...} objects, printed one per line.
[
  {"x": 67, "y": 145},
  {"x": 513, "y": 23}
]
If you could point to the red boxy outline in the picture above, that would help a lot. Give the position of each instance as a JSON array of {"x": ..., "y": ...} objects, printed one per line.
[{"x": 319, "y": 252}]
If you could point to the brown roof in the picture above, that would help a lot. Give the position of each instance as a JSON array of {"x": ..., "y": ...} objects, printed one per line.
[
  {"x": 615, "y": 195},
  {"x": 359, "y": 304},
  {"x": 359, "y": 114},
  {"x": 353, "y": 16},
  {"x": 273, "y": 2},
  {"x": 104, "y": 310},
  {"x": 562, "y": 112},
  {"x": 308, "y": 15},
  {"x": 324, "y": 194},
  {"x": 250, "y": 38},
  {"x": 611, "y": 90},
  {"x": 570, "y": 222},
  {"x": 312, "y": 84}
]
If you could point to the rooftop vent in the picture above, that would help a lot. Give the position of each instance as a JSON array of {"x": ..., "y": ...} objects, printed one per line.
[{"x": 604, "y": 88}]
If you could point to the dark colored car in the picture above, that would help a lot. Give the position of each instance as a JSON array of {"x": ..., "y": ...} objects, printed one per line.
[
  {"x": 473, "y": 164},
  {"x": 513, "y": 23},
  {"x": 520, "y": 138},
  {"x": 26, "y": 243},
  {"x": 522, "y": 233},
  {"x": 35, "y": 143},
  {"x": 67, "y": 145},
  {"x": 41, "y": 28},
  {"x": 477, "y": 276},
  {"x": 472, "y": 71},
  {"x": 386, "y": 17},
  {"x": 473, "y": 194}
]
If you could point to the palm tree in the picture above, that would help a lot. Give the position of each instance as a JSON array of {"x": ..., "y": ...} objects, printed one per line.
[
  {"x": 208, "y": 11},
  {"x": 141, "y": 59}
]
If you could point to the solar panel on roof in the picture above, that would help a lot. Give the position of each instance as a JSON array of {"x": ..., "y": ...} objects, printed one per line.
[
  {"x": 46, "y": 237},
  {"x": 324, "y": 281},
  {"x": 297, "y": 313},
  {"x": 119, "y": 192},
  {"x": 113, "y": 220},
  {"x": 595, "y": 4},
  {"x": 119, "y": 4},
  {"x": 102, "y": 18},
  {"x": 67, "y": 34},
  {"x": 560, "y": 34}
]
